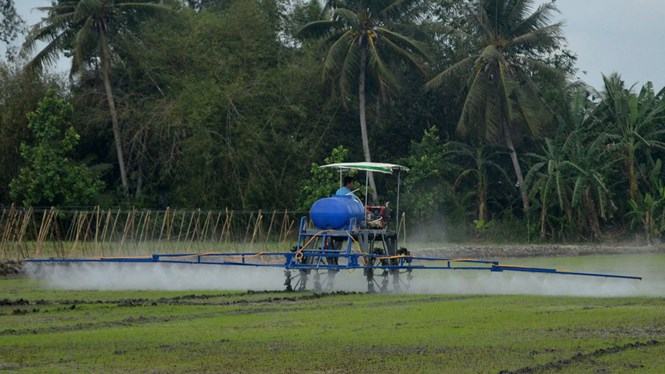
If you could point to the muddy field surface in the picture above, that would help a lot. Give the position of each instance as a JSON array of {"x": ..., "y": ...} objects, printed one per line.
[
  {"x": 458, "y": 323},
  {"x": 50, "y": 330}
]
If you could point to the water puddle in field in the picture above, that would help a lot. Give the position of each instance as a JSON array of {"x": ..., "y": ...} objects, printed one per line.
[{"x": 111, "y": 276}]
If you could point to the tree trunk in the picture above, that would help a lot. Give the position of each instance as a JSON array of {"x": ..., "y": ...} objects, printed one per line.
[
  {"x": 518, "y": 171},
  {"x": 543, "y": 219},
  {"x": 482, "y": 198},
  {"x": 482, "y": 184},
  {"x": 106, "y": 72},
  {"x": 363, "y": 118},
  {"x": 592, "y": 215},
  {"x": 632, "y": 174}
]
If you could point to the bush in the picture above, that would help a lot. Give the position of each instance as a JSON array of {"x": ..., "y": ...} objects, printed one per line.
[{"x": 49, "y": 177}]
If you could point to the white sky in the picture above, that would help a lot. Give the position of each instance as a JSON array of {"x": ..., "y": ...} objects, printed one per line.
[{"x": 624, "y": 36}]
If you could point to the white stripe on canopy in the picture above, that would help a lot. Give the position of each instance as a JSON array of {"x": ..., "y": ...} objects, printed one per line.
[{"x": 378, "y": 167}]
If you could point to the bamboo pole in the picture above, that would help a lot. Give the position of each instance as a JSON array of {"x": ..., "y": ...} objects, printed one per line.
[
  {"x": 228, "y": 228},
  {"x": 151, "y": 234},
  {"x": 214, "y": 229},
  {"x": 42, "y": 225},
  {"x": 125, "y": 231},
  {"x": 283, "y": 226},
  {"x": 115, "y": 221},
  {"x": 206, "y": 226},
  {"x": 164, "y": 220},
  {"x": 272, "y": 220},
  {"x": 80, "y": 221},
  {"x": 257, "y": 226},
  {"x": 107, "y": 221},
  {"x": 189, "y": 226},
  {"x": 86, "y": 231},
  {"x": 226, "y": 218},
  {"x": 182, "y": 224},
  {"x": 288, "y": 232},
  {"x": 142, "y": 234},
  {"x": 98, "y": 221},
  {"x": 21, "y": 247},
  {"x": 8, "y": 229},
  {"x": 195, "y": 229},
  {"x": 171, "y": 222},
  {"x": 249, "y": 225}
]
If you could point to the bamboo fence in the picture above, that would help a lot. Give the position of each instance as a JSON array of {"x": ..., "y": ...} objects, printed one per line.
[{"x": 53, "y": 232}]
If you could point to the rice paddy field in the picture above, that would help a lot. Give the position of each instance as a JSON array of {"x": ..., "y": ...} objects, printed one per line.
[{"x": 485, "y": 323}]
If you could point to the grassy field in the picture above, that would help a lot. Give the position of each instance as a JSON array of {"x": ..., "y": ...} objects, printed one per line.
[{"x": 221, "y": 331}]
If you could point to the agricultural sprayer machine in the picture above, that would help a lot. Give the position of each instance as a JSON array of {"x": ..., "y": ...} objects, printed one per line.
[{"x": 341, "y": 233}]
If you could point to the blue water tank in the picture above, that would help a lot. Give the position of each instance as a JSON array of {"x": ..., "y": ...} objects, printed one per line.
[{"x": 336, "y": 212}]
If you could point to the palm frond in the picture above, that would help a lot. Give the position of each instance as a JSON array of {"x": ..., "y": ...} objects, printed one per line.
[
  {"x": 349, "y": 69},
  {"x": 48, "y": 55},
  {"x": 543, "y": 37},
  {"x": 404, "y": 54},
  {"x": 335, "y": 56},
  {"x": 472, "y": 106},
  {"x": 83, "y": 39},
  {"x": 316, "y": 29},
  {"x": 347, "y": 16},
  {"x": 397, "y": 8},
  {"x": 537, "y": 20},
  {"x": 386, "y": 78},
  {"x": 455, "y": 70}
]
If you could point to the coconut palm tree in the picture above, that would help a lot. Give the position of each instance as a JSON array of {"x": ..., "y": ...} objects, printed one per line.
[
  {"x": 87, "y": 29},
  {"x": 502, "y": 99},
  {"x": 362, "y": 39}
]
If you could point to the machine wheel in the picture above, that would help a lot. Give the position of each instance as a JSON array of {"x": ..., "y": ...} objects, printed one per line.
[{"x": 287, "y": 281}]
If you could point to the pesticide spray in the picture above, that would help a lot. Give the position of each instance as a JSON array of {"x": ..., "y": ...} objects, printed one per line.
[{"x": 89, "y": 276}]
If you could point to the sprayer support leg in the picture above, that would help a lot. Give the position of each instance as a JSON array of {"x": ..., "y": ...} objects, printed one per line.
[
  {"x": 317, "y": 281},
  {"x": 287, "y": 280},
  {"x": 369, "y": 275}
]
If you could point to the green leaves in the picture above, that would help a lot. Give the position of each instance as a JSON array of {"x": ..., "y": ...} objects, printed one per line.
[
  {"x": 78, "y": 27},
  {"x": 321, "y": 182},
  {"x": 49, "y": 176},
  {"x": 507, "y": 38},
  {"x": 352, "y": 26}
]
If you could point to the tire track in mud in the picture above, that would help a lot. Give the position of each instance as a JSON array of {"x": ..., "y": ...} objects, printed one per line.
[{"x": 581, "y": 357}]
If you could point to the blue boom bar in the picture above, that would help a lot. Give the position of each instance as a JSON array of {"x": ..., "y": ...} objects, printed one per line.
[{"x": 307, "y": 260}]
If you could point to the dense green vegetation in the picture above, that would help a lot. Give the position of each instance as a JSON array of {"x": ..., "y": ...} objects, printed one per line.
[
  {"x": 228, "y": 103},
  {"x": 212, "y": 331}
]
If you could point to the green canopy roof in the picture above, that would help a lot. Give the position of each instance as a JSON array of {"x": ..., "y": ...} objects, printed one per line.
[{"x": 378, "y": 167}]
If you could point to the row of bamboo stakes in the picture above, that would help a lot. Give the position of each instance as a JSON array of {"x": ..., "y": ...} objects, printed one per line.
[{"x": 31, "y": 232}]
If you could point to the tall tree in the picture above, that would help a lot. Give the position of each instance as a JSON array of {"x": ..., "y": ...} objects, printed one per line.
[
  {"x": 512, "y": 39},
  {"x": 362, "y": 38},
  {"x": 636, "y": 123},
  {"x": 88, "y": 30}
]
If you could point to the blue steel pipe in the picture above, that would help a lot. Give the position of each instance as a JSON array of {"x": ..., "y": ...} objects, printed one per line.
[{"x": 353, "y": 263}]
